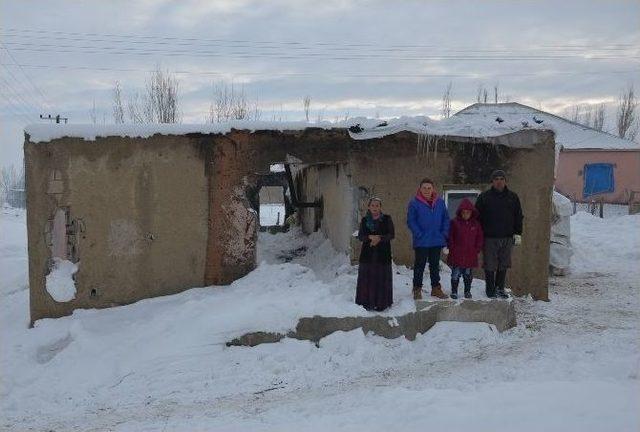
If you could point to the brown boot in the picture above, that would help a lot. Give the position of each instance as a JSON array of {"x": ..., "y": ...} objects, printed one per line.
[
  {"x": 417, "y": 293},
  {"x": 436, "y": 291}
]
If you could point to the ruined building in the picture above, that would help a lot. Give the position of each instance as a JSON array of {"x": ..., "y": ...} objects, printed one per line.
[{"x": 155, "y": 210}]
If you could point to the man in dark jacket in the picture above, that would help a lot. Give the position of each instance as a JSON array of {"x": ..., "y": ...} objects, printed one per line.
[{"x": 501, "y": 219}]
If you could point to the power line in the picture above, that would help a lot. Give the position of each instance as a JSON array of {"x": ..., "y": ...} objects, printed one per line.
[
  {"x": 15, "y": 112},
  {"x": 26, "y": 106},
  {"x": 280, "y": 46},
  {"x": 25, "y": 91},
  {"x": 47, "y": 48},
  {"x": 265, "y": 42},
  {"x": 15, "y": 107},
  {"x": 44, "y": 98},
  {"x": 332, "y": 74}
]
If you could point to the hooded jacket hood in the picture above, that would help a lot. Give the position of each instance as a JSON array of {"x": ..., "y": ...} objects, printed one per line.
[
  {"x": 466, "y": 204},
  {"x": 423, "y": 200}
]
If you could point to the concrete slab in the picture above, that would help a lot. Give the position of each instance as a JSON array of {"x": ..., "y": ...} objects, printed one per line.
[{"x": 500, "y": 313}]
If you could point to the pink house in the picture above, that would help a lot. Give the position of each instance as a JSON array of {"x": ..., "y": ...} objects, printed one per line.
[{"x": 590, "y": 164}]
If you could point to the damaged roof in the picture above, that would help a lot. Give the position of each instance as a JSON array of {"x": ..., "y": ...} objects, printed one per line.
[
  {"x": 569, "y": 135},
  {"x": 475, "y": 121}
]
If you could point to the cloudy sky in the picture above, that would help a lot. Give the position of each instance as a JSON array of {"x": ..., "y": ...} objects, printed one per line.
[{"x": 373, "y": 58}]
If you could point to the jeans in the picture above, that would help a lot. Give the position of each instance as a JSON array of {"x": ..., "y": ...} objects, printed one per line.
[
  {"x": 466, "y": 273},
  {"x": 422, "y": 255}
]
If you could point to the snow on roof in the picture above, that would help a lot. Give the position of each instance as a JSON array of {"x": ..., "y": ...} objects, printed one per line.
[
  {"x": 450, "y": 127},
  {"x": 359, "y": 128},
  {"x": 476, "y": 121},
  {"x": 569, "y": 135},
  {"x": 41, "y": 132}
]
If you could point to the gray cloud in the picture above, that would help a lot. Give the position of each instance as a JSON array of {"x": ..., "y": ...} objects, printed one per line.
[{"x": 356, "y": 57}]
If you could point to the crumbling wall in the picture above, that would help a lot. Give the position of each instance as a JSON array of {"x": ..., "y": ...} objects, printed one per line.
[
  {"x": 233, "y": 223},
  {"x": 132, "y": 213},
  {"x": 329, "y": 184},
  {"x": 392, "y": 167}
]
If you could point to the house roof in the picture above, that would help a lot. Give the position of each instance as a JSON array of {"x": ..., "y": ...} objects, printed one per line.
[
  {"x": 477, "y": 121},
  {"x": 569, "y": 135},
  {"x": 359, "y": 128}
]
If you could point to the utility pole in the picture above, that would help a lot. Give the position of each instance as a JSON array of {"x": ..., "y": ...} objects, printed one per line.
[{"x": 57, "y": 118}]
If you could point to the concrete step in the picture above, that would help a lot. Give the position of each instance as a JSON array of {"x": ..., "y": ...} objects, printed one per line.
[{"x": 500, "y": 313}]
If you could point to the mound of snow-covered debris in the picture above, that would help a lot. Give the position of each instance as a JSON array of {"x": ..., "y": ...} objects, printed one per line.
[{"x": 162, "y": 364}]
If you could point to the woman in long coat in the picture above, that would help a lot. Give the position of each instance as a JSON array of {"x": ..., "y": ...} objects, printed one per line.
[{"x": 375, "y": 277}]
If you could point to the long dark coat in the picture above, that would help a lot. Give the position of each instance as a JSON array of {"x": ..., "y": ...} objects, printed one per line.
[{"x": 375, "y": 277}]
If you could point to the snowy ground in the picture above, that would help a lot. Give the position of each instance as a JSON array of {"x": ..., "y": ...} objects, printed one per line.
[
  {"x": 572, "y": 364},
  {"x": 609, "y": 210},
  {"x": 271, "y": 214}
]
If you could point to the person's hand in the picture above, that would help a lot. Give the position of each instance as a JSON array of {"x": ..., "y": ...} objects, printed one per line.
[
  {"x": 445, "y": 250},
  {"x": 375, "y": 239},
  {"x": 517, "y": 239}
]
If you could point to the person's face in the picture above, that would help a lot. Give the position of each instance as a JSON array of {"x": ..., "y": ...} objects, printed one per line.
[
  {"x": 426, "y": 189},
  {"x": 466, "y": 214},
  {"x": 499, "y": 183},
  {"x": 375, "y": 208}
]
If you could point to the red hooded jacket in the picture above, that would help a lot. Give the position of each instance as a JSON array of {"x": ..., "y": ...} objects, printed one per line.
[{"x": 465, "y": 238}]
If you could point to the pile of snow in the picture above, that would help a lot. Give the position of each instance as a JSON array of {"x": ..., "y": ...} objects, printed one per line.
[
  {"x": 13, "y": 251},
  {"x": 605, "y": 245},
  {"x": 560, "y": 249},
  {"x": 162, "y": 363},
  {"x": 59, "y": 282}
]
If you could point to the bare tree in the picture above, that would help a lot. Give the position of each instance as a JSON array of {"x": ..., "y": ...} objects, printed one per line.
[
  {"x": 12, "y": 186},
  {"x": 158, "y": 104},
  {"x": 306, "y": 103},
  {"x": 575, "y": 113},
  {"x": 495, "y": 93},
  {"x": 586, "y": 115},
  {"x": 482, "y": 95},
  {"x": 231, "y": 104},
  {"x": 446, "y": 102},
  {"x": 118, "y": 109},
  {"x": 626, "y": 114},
  {"x": 93, "y": 113},
  {"x": 598, "y": 117},
  {"x": 592, "y": 116},
  {"x": 136, "y": 109},
  {"x": 161, "y": 102}
]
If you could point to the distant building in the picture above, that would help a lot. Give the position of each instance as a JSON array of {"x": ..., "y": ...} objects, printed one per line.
[
  {"x": 16, "y": 198},
  {"x": 590, "y": 164}
]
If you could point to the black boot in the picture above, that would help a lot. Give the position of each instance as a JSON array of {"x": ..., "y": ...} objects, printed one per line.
[
  {"x": 501, "y": 276},
  {"x": 467, "y": 288},
  {"x": 454, "y": 289},
  {"x": 490, "y": 282}
]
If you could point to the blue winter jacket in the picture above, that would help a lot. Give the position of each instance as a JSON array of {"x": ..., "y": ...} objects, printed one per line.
[{"x": 429, "y": 225}]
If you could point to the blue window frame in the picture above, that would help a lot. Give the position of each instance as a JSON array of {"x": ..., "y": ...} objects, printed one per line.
[{"x": 598, "y": 178}]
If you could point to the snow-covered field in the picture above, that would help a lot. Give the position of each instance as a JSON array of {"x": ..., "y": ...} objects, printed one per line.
[{"x": 572, "y": 364}]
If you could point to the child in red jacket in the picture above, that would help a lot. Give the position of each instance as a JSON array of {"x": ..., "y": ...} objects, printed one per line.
[{"x": 465, "y": 242}]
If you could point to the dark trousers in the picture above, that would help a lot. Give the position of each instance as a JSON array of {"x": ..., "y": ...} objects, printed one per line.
[
  {"x": 422, "y": 255},
  {"x": 494, "y": 281}
]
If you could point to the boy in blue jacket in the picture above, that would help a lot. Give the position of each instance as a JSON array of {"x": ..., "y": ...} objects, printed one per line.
[{"x": 428, "y": 220}]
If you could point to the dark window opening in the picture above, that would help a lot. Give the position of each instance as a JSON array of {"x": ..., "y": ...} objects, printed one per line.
[{"x": 453, "y": 198}]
